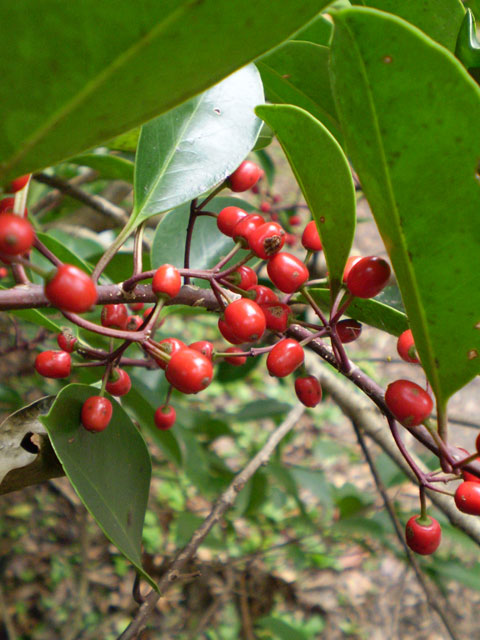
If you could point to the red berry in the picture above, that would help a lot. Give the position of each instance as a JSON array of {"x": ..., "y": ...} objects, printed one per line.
[
  {"x": 18, "y": 183},
  {"x": 266, "y": 240},
  {"x": 348, "y": 330},
  {"x": 246, "y": 320},
  {"x": 189, "y": 371},
  {"x": 308, "y": 391},
  {"x": 71, "y": 289},
  {"x": 136, "y": 306},
  {"x": 169, "y": 346},
  {"x": 227, "y": 332},
  {"x": 53, "y": 364},
  {"x": 294, "y": 221},
  {"x": 165, "y": 417},
  {"x": 3, "y": 272},
  {"x": 166, "y": 282},
  {"x": 7, "y": 204},
  {"x": 66, "y": 341},
  {"x": 263, "y": 294},
  {"x": 477, "y": 443},
  {"x": 368, "y": 277},
  {"x": 96, "y": 413},
  {"x": 276, "y": 315},
  {"x": 467, "y": 498},
  {"x": 265, "y": 207},
  {"x": 246, "y": 227},
  {"x": 255, "y": 189},
  {"x": 290, "y": 239},
  {"x": 243, "y": 178},
  {"x": 350, "y": 262},
  {"x": 205, "y": 347},
  {"x": 311, "y": 238},
  {"x": 466, "y": 475},
  {"x": 119, "y": 383},
  {"x": 243, "y": 277},
  {"x": 287, "y": 272},
  {"x": 406, "y": 347},
  {"x": 16, "y": 234},
  {"x": 236, "y": 361},
  {"x": 423, "y": 537},
  {"x": 285, "y": 357},
  {"x": 277, "y": 198},
  {"x": 133, "y": 323},
  {"x": 408, "y": 402},
  {"x": 228, "y": 219},
  {"x": 114, "y": 316}
]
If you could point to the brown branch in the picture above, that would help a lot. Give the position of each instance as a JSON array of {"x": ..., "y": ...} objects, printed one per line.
[{"x": 224, "y": 502}]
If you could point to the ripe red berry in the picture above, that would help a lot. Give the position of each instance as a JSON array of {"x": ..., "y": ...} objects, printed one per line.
[
  {"x": 66, "y": 341},
  {"x": 368, "y": 277},
  {"x": 236, "y": 361},
  {"x": 70, "y": 289},
  {"x": 243, "y": 277},
  {"x": 287, "y": 272},
  {"x": 189, "y": 371},
  {"x": 18, "y": 183},
  {"x": 408, "y": 402},
  {"x": 166, "y": 282},
  {"x": 228, "y": 219},
  {"x": 205, "y": 347},
  {"x": 165, "y": 417},
  {"x": 227, "y": 332},
  {"x": 7, "y": 204},
  {"x": 53, "y": 364},
  {"x": 169, "y": 346},
  {"x": 294, "y": 221},
  {"x": 406, "y": 347},
  {"x": 243, "y": 178},
  {"x": 246, "y": 320},
  {"x": 311, "y": 238},
  {"x": 277, "y": 315},
  {"x": 133, "y": 323},
  {"x": 466, "y": 475},
  {"x": 285, "y": 357},
  {"x": 136, "y": 306},
  {"x": 467, "y": 498},
  {"x": 263, "y": 294},
  {"x": 16, "y": 234},
  {"x": 266, "y": 240},
  {"x": 246, "y": 227},
  {"x": 114, "y": 316},
  {"x": 96, "y": 413},
  {"x": 350, "y": 262},
  {"x": 3, "y": 272},
  {"x": 265, "y": 207},
  {"x": 119, "y": 383},
  {"x": 348, "y": 330},
  {"x": 423, "y": 537},
  {"x": 308, "y": 391}
]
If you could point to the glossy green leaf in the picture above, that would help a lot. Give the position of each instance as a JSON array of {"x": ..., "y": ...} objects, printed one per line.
[
  {"x": 265, "y": 138},
  {"x": 261, "y": 409},
  {"x": 35, "y": 317},
  {"x": 416, "y": 152},
  {"x": 319, "y": 31},
  {"x": 84, "y": 72},
  {"x": 282, "y": 630},
  {"x": 288, "y": 78},
  {"x": 468, "y": 46},
  {"x": 110, "y": 470},
  {"x": 194, "y": 147},
  {"x": 127, "y": 141},
  {"x": 109, "y": 167},
  {"x": 323, "y": 174}
]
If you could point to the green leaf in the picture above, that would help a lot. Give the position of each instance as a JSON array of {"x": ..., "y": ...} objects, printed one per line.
[
  {"x": 36, "y": 317},
  {"x": 323, "y": 173},
  {"x": 85, "y": 72},
  {"x": 281, "y": 629},
  {"x": 227, "y": 372},
  {"x": 110, "y": 167},
  {"x": 62, "y": 252},
  {"x": 194, "y": 147},
  {"x": 265, "y": 138},
  {"x": 261, "y": 409},
  {"x": 439, "y": 19},
  {"x": 318, "y": 31},
  {"x": 110, "y": 470},
  {"x": 288, "y": 79},
  {"x": 468, "y": 46},
  {"x": 407, "y": 145}
]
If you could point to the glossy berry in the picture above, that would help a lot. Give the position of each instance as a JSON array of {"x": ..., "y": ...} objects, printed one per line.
[
  {"x": 466, "y": 475},
  {"x": 169, "y": 346},
  {"x": 227, "y": 332},
  {"x": 228, "y": 219},
  {"x": 243, "y": 178},
  {"x": 277, "y": 315},
  {"x": 136, "y": 306},
  {"x": 287, "y": 272},
  {"x": 285, "y": 357},
  {"x": 165, "y": 417},
  {"x": 243, "y": 277},
  {"x": 406, "y": 347},
  {"x": 53, "y": 364},
  {"x": 246, "y": 320},
  {"x": 114, "y": 316},
  {"x": 423, "y": 537},
  {"x": 189, "y": 371},
  {"x": 263, "y": 294},
  {"x": 348, "y": 330},
  {"x": 203, "y": 346},
  {"x": 467, "y": 498},
  {"x": 244, "y": 229},
  {"x": 408, "y": 402},
  {"x": 96, "y": 413},
  {"x": 16, "y": 234},
  {"x": 119, "y": 383},
  {"x": 18, "y": 184},
  {"x": 311, "y": 238},
  {"x": 368, "y": 277},
  {"x": 236, "y": 361},
  {"x": 166, "y": 282},
  {"x": 133, "y": 323},
  {"x": 266, "y": 240},
  {"x": 70, "y": 289},
  {"x": 308, "y": 391},
  {"x": 348, "y": 267},
  {"x": 66, "y": 341}
]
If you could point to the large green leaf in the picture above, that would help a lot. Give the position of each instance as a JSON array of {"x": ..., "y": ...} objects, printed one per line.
[
  {"x": 410, "y": 114},
  {"x": 439, "y": 19},
  {"x": 83, "y": 72},
  {"x": 110, "y": 167},
  {"x": 194, "y": 147},
  {"x": 323, "y": 174},
  {"x": 319, "y": 30},
  {"x": 110, "y": 470},
  {"x": 297, "y": 73}
]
